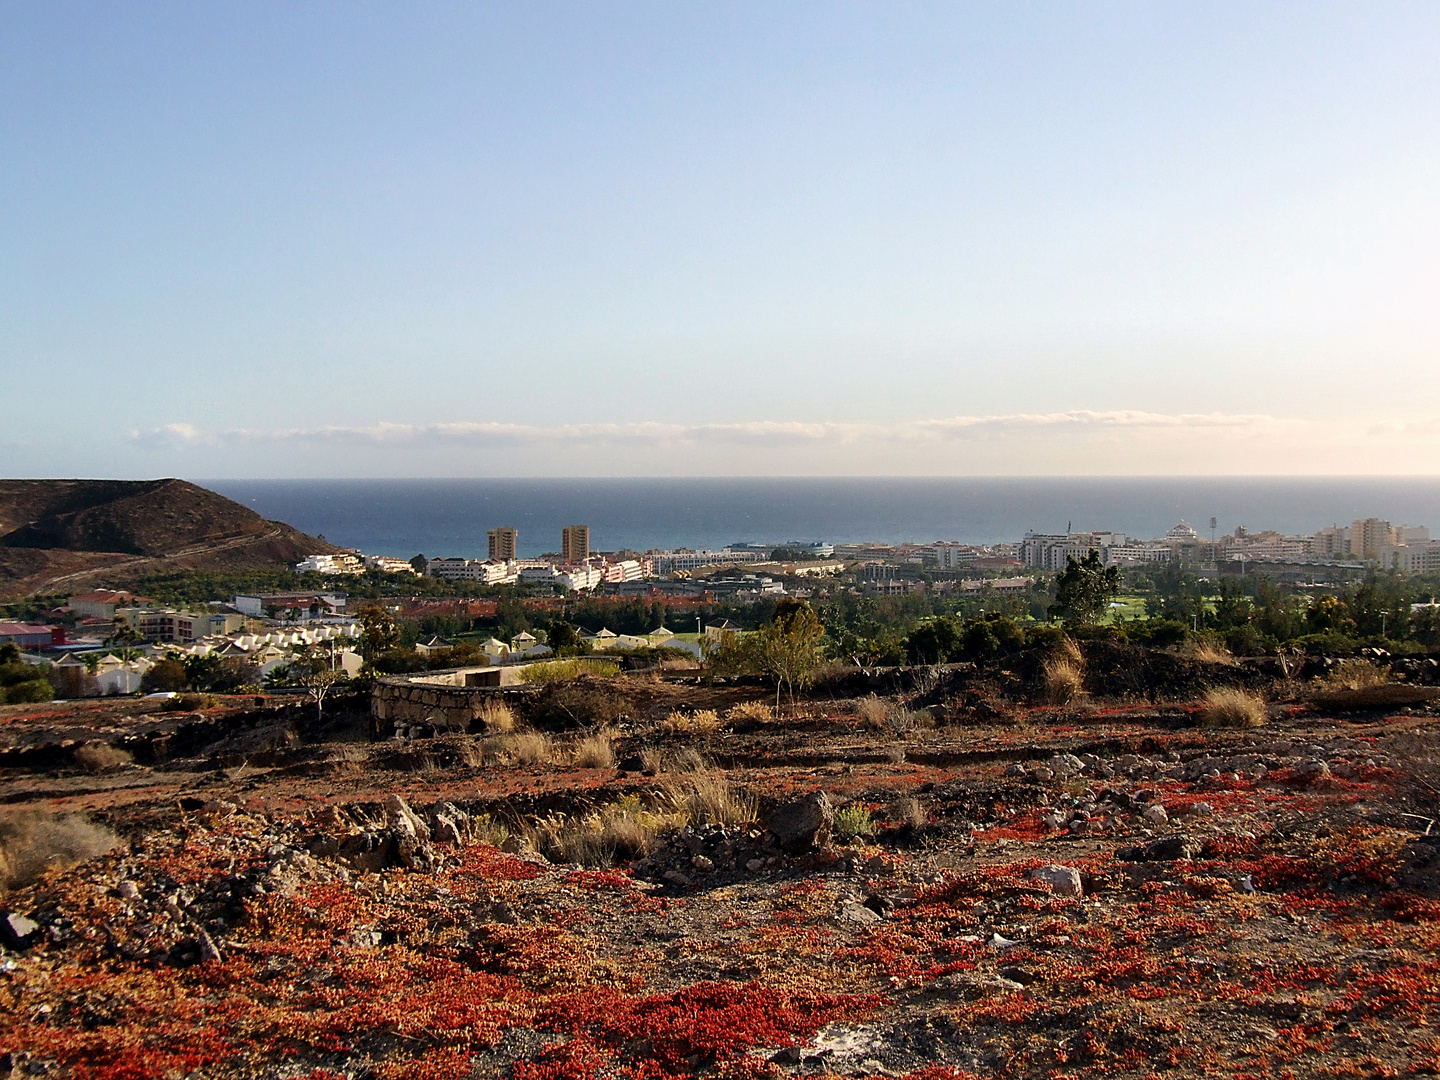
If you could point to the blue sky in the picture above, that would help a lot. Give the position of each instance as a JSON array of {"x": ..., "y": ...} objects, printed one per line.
[{"x": 423, "y": 240}]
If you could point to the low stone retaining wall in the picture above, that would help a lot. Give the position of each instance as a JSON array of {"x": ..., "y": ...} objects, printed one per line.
[{"x": 443, "y": 700}]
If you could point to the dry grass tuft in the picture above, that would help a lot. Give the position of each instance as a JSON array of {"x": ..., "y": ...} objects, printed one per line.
[
  {"x": 757, "y": 711},
  {"x": 1062, "y": 680},
  {"x": 624, "y": 829},
  {"x": 484, "y": 829},
  {"x": 895, "y": 755},
  {"x": 528, "y": 748},
  {"x": 699, "y": 722},
  {"x": 496, "y": 717},
  {"x": 1205, "y": 651},
  {"x": 1228, "y": 706},
  {"x": 595, "y": 752},
  {"x": 34, "y": 841},
  {"x": 709, "y": 799},
  {"x": 98, "y": 757},
  {"x": 471, "y": 752}
]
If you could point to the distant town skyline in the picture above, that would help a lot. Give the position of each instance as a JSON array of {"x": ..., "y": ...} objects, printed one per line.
[{"x": 647, "y": 240}]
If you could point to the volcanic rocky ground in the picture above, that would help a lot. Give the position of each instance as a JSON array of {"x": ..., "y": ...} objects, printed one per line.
[{"x": 1100, "y": 888}]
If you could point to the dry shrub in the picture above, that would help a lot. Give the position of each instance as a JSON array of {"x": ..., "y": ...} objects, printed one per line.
[
  {"x": 528, "y": 748},
  {"x": 873, "y": 713},
  {"x": 496, "y": 716},
  {"x": 699, "y": 722},
  {"x": 34, "y": 841},
  {"x": 909, "y": 811},
  {"x": 595, "y": 751},
  {"x": 1229, "y": 706},
  {"x": 98, "y": 757},
  {"x": 1355, "y": 674},
  {"x": 709, "y": 799},
  {"x": 1205, "y": 651},
  {"x": 757, "y": 711}
]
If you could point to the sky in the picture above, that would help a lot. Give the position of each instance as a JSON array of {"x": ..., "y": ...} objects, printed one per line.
[{"x": 392, "y": 240}]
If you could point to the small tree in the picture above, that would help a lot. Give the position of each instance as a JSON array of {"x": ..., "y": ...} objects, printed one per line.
[
  {"x": 788, "y": 647},
  {"x": 1084, "y": 589},
  {"x": 378, "y": 631},
  {"x": 319, "y": 683}
]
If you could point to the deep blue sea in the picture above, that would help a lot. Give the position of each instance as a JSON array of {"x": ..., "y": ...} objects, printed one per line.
[{"x": 450, "y": 517}]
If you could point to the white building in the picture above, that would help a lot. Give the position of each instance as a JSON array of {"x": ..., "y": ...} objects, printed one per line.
[
  {"x": 330, "y": 564},
  {"x": 388, "y": 564},
  {"x": 484, "y": 571}
]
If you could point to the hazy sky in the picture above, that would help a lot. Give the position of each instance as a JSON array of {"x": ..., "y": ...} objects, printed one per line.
[{"x": 419, "y": 239}]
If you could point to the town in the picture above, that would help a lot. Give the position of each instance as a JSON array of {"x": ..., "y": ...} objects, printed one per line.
[{"x": 106, "y": 641}]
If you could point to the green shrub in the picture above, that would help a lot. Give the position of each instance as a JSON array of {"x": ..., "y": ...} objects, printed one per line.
[{"x": 853, "y": 820}]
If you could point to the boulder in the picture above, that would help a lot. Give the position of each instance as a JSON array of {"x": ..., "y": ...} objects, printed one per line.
[
  {"x": 1165, "y": 849},
  {"x": 17, "y": 931},
  {"x": 399, "y": 816},
  {"x": 803, "y": 824},
  {"x": 1064, "y": 880}
]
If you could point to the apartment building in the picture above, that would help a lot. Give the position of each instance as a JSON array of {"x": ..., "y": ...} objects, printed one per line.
[
  {"x": 504, "y": 543},
  {"x": 575, "y": 544}
]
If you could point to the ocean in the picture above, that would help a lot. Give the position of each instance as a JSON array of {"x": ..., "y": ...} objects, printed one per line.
[{"x": 450, "y": 517}]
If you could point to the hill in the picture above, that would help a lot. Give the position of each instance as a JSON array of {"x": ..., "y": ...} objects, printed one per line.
[{"x": 58, "y": 535}]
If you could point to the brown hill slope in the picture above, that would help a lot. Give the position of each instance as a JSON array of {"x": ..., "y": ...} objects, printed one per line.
[{"x": 58, "y": 535}]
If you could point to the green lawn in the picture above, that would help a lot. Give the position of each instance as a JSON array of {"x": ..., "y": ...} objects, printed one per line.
[{"x": 1125, "y": 607}]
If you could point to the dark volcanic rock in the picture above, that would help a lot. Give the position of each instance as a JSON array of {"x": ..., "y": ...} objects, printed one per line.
[
  {"x": 803, "y": 824},
  {"x": 1165, "y": 849}
]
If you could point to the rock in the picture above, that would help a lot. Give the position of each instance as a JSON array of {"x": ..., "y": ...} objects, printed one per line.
[
  {"x": 1155, "y": 814},
  {"x": 208, "y": 949},
  {"x": 858, "y": 914},
  {"x": 754, "y": 864},
  {"x": 999, "y": 942},
  {"x": 219, "y": 809},
  {"x": 803, "y": 824},
  {"x": 1064, "y": 880},
  {"x": 1052, "y": 821},
  {"x": 446, "y": 831},
  {"x": 128, "y": 890},
  {"x": 17, "y": 931},
  {"x": 1016, "y": 770},
  {"x": 1043, "y": 774},
  {"x": 1312, "y": 769},
  {"x": 1165, "y": 849},
  {"x": 1201, "y": 809},
  {"x": 398, "y": 815},
  {"x": 1066, "y": 765},
  {"x": 703, "y": 863},
  {"x": 676, "y": 878}
]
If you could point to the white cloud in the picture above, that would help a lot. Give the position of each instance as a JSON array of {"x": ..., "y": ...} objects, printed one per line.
[
  {"x": 753, "y": 433},
  {"x": 1113, "y": 442}
]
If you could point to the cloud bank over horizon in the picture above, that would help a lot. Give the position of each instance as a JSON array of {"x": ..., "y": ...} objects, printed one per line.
[{"x": 1081, "y": 442}]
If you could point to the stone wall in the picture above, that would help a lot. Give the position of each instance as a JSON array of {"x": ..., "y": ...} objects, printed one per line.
[{"x": 443, "y": 700}]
